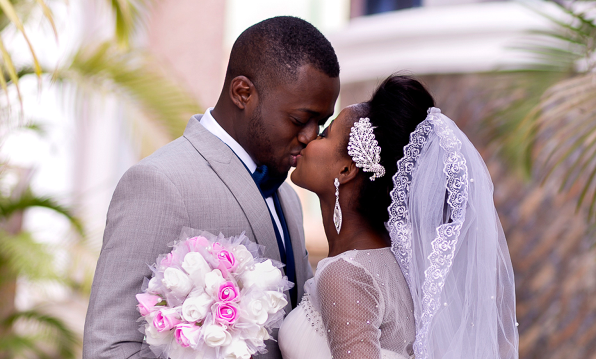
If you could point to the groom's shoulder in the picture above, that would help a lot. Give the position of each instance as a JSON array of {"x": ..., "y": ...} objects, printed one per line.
[
  {"x": 172, "y": 161},
  {"x": 179, "y": 154},
  {"x": 172, "y": 155}
]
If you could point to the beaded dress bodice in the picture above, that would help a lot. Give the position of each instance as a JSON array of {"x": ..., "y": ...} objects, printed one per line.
[{"x": 358, "y": 305}]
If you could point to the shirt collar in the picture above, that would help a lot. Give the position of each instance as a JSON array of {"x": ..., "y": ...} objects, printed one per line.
[{"x": 212, "y": 126}]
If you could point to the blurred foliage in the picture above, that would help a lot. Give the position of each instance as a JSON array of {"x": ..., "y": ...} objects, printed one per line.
[
  {"x": 127, "y": 15},
  {"x": 32, "y": 332},
  {"x": 547, "y": 125},
  {"x": 96, "y": 69},
  {"x": 134, "y": 78},
  {"x": 12, "y": 14},
  {"x": 44, "y": 329}
]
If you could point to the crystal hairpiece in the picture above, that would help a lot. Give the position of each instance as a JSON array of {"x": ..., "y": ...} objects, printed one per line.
[{"x": 364, "y": 149}]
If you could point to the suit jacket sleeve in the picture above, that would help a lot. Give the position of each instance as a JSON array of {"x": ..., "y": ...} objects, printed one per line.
[{"x": 146, "y": 213}]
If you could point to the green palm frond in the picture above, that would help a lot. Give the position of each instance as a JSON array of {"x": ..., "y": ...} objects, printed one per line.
[
  {"x": 9, "y": 206},
  {"x": 567, "y": 136},
  {"x": 514, "y": 126},
  {"x": 9, "y": 10},
  {"x": 553, "y": 128},
  {"x": 15, "y": 12},
  {"x": 50, "y": 331},
  {"x": 26, "y": 257},
  {"x": 569, "y": 40},
  {"x": 134, "y": 76},
  {"x": 47, "y": 13},
  {"x": 21, "y": 346},
  {"x": 126, "y": 14},
  {"x": 35, "y": 127}
]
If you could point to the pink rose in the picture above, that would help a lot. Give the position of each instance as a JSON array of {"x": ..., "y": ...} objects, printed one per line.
[
  {"x": 216, "y": 247},
  {"x": 195, "y": 242},
  {"x": 228, "y": 292},
  {"x": 187, "y": 335},
  {"x": 166, "y": 319},
  {"x": 167, "y": 260},
  {"x": 147, "y": 302},
  {"x": 226, "y": 313},
  {"x": 226, "y": 260}
]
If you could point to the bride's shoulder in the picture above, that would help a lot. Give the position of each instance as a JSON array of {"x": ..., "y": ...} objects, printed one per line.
[
  {"x": 341, "y": 267},
  {"x": 341, "y": 280},
  {"x": 362, "y": 259},
  {"x": 337, "y": 262}
]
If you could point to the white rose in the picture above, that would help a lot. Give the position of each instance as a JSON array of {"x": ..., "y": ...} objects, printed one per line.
[
  {"x": 153, "y": 286},
  {"x": 176, "y": 351},
  {"x": 275, "y": 301},
  {"x": 177, "y": 281},
  {"x": 196, "y": 307},
  {"x": 258, "y": 337},
  {"x": 153, "y": 337},
  {"x": 256, "y": 311},
  {"x": 216, "y": 335},
  {"x": 243, "y": 257},
  {"x": 196, "y": 266},
  {"x": 263, "y": 334},
  {"x": 264, "y": 275},
  {"x": 213, "y": 280},
  {"x": 237, "y": 350}
]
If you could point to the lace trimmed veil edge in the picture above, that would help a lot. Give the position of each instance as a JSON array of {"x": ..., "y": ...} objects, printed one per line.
[{"x": 459, "y": 274}]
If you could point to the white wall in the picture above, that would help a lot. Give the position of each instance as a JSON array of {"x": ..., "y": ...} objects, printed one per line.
[{"x": 464, "y": 38}]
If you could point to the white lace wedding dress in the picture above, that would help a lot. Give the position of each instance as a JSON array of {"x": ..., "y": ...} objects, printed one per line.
[{"x": 358, "y": 305}]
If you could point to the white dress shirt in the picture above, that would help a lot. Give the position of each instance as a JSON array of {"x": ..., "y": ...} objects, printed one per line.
[{"x": 212, "y": 126}]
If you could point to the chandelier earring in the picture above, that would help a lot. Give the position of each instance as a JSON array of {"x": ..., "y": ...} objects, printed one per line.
[{"x": 337, "y": 210}]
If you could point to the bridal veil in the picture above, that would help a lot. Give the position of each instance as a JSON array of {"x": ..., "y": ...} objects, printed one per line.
[{"x": 449, "y": 243}]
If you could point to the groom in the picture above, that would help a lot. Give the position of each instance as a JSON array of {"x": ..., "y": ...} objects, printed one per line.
[{"x": 225, "y": 174}]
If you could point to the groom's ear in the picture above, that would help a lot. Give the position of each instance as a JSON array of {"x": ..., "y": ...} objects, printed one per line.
[
  {"x": 348, "y": 173},
  {"x": 242, "y": 91}
]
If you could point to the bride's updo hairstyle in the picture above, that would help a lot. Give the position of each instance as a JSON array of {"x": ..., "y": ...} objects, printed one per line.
[{"x": 397, "y": 106}]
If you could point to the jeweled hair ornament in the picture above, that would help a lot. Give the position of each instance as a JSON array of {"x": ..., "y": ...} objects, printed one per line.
[{"x": 364, "y": 149}]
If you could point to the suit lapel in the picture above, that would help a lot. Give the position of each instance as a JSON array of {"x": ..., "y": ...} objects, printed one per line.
[{"x": 232, "y": 172}]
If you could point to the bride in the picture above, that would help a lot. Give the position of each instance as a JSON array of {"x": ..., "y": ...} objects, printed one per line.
[{"x": 418, "y": 265}]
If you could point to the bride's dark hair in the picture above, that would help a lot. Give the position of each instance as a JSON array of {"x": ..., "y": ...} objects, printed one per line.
[{"x": 397, "y": 106}]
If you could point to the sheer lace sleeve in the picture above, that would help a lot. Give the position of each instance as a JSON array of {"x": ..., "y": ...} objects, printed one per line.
[{"x": 351, "y": 307}]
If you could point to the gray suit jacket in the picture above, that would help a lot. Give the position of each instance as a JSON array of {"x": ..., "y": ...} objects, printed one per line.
[{"x": 195, "y": 181}]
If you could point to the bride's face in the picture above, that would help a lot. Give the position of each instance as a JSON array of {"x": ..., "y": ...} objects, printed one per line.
[{"x": 323, "y": 159}]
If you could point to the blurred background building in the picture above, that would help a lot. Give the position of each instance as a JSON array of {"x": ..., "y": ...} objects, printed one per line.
[{"x": 453, "y": 46}]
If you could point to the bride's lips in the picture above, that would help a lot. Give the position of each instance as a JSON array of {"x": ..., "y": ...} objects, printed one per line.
[{"x": 294, "y": 159}]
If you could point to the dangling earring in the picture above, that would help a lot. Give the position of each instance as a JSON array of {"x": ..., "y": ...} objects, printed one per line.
[{"x": 337, "y": 210}]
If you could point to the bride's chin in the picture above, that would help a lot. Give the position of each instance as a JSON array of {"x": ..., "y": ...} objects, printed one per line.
[{"x": 296, "y": 178}]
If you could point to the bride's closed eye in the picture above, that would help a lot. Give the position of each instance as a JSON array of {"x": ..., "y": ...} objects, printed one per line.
[{"x": 324, "y": 132}]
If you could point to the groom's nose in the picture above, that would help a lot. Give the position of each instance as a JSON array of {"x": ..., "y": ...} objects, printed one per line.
[{"x": 308, "y": 132}]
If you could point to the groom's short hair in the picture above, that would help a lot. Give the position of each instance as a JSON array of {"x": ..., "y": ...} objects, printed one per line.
[{"x": 272, "y": 50}]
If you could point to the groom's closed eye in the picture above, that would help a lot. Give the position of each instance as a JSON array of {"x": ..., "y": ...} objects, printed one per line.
[{"x": 299, "y": 122}]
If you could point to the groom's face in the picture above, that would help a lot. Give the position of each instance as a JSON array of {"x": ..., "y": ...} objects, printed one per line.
[{"x": 287, "y": 118}]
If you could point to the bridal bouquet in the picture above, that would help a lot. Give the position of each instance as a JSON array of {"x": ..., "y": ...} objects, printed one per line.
[{"x": 212, "y": 297}]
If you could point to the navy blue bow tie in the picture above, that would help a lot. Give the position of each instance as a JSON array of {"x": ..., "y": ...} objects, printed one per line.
[{"x": 267, "y": 184}]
